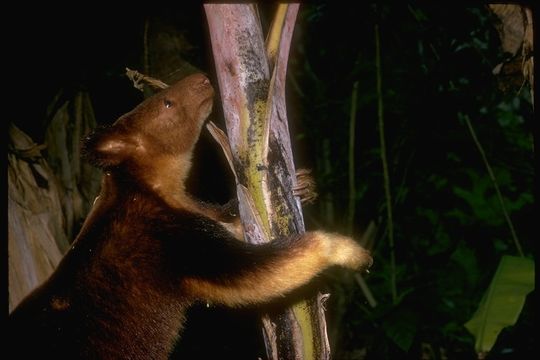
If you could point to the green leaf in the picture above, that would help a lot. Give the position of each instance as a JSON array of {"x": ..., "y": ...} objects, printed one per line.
[
  {"x": 464, "y": 256},
  {"x": 502, "y": 302},
  {"x": 401, "y": 327}
]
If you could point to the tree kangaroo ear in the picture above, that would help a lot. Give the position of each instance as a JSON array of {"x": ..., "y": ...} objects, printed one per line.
[{"x": 107, "y": 147}]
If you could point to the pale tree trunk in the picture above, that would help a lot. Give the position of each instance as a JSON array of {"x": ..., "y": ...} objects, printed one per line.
[
  {"x": 48, "y": 195},
  {"x": 36, "y": 238},
  {"x": 251, "y": 75}
]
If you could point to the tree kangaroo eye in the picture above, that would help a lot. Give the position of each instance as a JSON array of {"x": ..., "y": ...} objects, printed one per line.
[{"x": 168, "y": 103}]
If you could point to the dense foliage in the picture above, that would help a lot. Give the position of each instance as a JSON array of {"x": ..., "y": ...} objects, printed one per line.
[{"x": 450, "y": 231}]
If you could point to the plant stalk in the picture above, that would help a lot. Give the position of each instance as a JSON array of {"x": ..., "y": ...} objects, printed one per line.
[
  {"x": 495, "y": 185},
  {"x": 388, "y": 195},
  {"x": 352, "y": 185}
]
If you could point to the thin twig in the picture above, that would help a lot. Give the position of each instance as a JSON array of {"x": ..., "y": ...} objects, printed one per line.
[
  {"x": 367, "y": 242},
  {"x": 380, "y": 113},
  {"x": 139, "y": 78},
  {"x": 352, "y": 185},
  {"x": 221, "y": 138},
  {"x": 352, "y": 189},
  {"x": 365, "y": 290},
  {"x": 495, "y": 184}
]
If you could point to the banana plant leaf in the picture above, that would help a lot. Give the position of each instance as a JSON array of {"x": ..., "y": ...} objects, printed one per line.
[{"x": 503, "y": 301}]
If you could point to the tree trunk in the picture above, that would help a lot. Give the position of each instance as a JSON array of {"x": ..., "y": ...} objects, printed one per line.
[{"x": 251, "y": 77}]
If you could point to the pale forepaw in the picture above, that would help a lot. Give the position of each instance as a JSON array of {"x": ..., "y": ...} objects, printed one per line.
[{"x": 348, "y": 253}]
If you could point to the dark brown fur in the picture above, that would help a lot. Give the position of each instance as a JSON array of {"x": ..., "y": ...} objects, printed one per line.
[{"x": 148, "y": 250}]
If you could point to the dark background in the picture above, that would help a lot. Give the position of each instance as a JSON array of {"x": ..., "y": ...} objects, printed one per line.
[{"x": 450, "y": 234}]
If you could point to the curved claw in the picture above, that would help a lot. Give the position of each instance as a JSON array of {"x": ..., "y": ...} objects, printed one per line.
[{"x": 305, "y": 187}]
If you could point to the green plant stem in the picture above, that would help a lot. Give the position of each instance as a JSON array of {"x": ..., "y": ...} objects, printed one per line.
[
  {"x": 352, "y": 186},
  {"x": 495, "y": 185},
  {"x": 380, "y": 115},
  {"x": 328, "y": 199}
]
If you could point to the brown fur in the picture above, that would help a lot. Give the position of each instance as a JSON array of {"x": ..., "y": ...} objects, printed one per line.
[{"x": 148, "y": 250}]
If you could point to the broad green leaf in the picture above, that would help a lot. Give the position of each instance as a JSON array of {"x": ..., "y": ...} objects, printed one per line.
[{"x": 502, "y": 302}]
